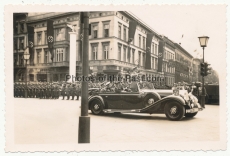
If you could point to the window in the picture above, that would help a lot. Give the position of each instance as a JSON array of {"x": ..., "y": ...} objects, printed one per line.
[
  {"x": 124, "y": 54},
  {"x": 156, "y": 49},
  {"x": 39, "y": 38},
  {"x": 95, "y": 30},
  {"x": 156, "y": 63},
  {"x": 133, "y": 55},
  {"x": 119, "y": 31},
  {"x": 15, "y": 44},
  {"x": 143, "y": 62},
  {"x": 94, "y": 52},
  {"x": 22, "y": 27},
  {"x": 152, "y": 50},
  {"x": 153, "y": 63},
  {"x": 139, "y": 58},
  {"x": 16, "y": 28},
  {"x": 140, "y": 41},
  {"x": 106, "y": 30},
  {"x": 119, "y": 52},
  {"x": 38, "y": 56},
  {"x": 133, "y": 41},
  {"x": 124, "y": 33},
  {"x": 60, "y": 34},
  {"x": 21, "y": 60},
  {"x": 143, "y": 42},
  {"x": 129, "y": 54},
  {"x": 21, "y": 44},
  {"x": 15, "y": 60},
  {"x": 60, "y": 54},
  {"x": 46, "y": 56},
  {"x": 46, "y": 37},
  {"x": 105, "y": 52}
]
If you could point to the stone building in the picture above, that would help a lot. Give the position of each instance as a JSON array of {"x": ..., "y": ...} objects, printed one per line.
[
  {"x": 19, "y": 45},
  {"x": 108, "y": 45},
  {"x": 169, "y": 55},
  {"x": 184, "y": 65}
]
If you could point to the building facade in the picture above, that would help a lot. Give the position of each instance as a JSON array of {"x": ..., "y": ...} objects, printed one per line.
[
  {"x": 168, "y": 56},
  {"x": 19, "y": 45},
  {"x": 184, "y": 65},
  {"x": 108, "y": 45},
  {"x": 110, "y": 52}
]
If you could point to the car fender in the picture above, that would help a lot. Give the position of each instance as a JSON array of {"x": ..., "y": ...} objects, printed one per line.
[
  {"x": 154, "y": 94},
  {"x": 163, "y": 101},
  {"x": 174, "y": 98},
  {"x": 97, "y": 97}
]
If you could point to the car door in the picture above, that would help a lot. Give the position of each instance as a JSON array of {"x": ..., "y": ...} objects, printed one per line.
[
  {"x": 112, "y": 100},
  {"x": 131, "y": 100}
]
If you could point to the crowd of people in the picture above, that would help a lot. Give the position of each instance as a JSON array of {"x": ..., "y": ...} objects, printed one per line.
[
  {"x": 47, "y": 90},
  {"x": 67, "y": 90},
  {"x": 191, "y": 93}
]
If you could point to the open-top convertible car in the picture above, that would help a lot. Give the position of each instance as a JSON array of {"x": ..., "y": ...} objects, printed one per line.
[{"x": 141, "y": 99}]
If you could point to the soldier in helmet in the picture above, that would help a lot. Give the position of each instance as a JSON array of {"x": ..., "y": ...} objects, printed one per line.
[
  {"x": 23, "y": 89},
  {"x": 68, "y": 91},
  {"x": 52, "y": 91},
  {"x": 55, "y": 91},
  {"x": 72, "y": 91},
  {"x": 37, "y": 90},
  {"x": 42, "y": 91},
  {"x": 63, "y": 91},
  {"x": 77, "y": 88}
]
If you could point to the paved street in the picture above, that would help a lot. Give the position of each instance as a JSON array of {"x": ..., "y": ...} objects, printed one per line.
[{"x": 56, "y": 121}]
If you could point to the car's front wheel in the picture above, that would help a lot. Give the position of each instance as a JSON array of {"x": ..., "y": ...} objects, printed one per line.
[
  {"x": 174, "y": 111},
  {"x": 96, "y": 107}
]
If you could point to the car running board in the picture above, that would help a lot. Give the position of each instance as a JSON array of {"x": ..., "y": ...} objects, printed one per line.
[{"x": 121, "y": 110}]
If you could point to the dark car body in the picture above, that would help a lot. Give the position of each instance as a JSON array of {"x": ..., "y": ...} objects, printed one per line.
[{"x": 141, "y": 100}]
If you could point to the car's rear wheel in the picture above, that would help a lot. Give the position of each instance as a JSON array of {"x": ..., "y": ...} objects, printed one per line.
[
  {"x": 96, "y": 107},
  {"x": 174, "y": 111},
  {"x": 149, "y": 100},
  {"x": 190, "y": 115}
]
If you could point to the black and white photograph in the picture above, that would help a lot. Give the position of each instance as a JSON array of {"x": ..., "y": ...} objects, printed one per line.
[{"x": 116, "y": 78}]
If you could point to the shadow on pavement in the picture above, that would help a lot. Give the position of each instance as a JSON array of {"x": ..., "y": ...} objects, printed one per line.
[{"x": 140, "y": 116}]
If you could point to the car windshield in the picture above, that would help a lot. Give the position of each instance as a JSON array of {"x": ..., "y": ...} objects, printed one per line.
[{"x": 146, "y": 85}]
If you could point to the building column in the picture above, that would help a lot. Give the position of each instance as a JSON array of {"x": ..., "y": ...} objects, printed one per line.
[{"x": 72, "y": 55}]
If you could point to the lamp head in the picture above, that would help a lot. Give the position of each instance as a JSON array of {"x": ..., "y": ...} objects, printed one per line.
[{"x": 203, "y": 41}]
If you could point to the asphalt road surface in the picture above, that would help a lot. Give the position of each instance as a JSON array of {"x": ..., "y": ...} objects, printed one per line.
[{"x": 56, "y": 122}]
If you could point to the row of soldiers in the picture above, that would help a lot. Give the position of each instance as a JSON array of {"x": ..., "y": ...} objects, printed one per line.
[{"x": 46, "y": 90}]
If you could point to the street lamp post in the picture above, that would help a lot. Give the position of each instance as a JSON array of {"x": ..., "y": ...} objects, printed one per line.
[
  {"x": 203, "y": 43},
  {"x": 84, "y": 119},
  {"x": 26, "y": 57}
]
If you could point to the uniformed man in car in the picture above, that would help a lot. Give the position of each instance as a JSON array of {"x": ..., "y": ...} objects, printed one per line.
[{"x": 175, "y": 89}]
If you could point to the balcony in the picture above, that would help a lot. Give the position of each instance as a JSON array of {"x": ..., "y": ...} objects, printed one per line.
[
  {"x": 109, "y": 62},
  {"x": 54, "y": 64},
  {"x": 62, "y": 43},
  {"x": 43, "y": 16}
]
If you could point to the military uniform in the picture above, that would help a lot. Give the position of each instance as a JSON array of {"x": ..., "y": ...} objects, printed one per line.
[
  {"x": 72, "y": 91},
  {"x": 63, "y": 91},
  {"x": 67, "y": 90},
  {"x": 78, "y": 90}
]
